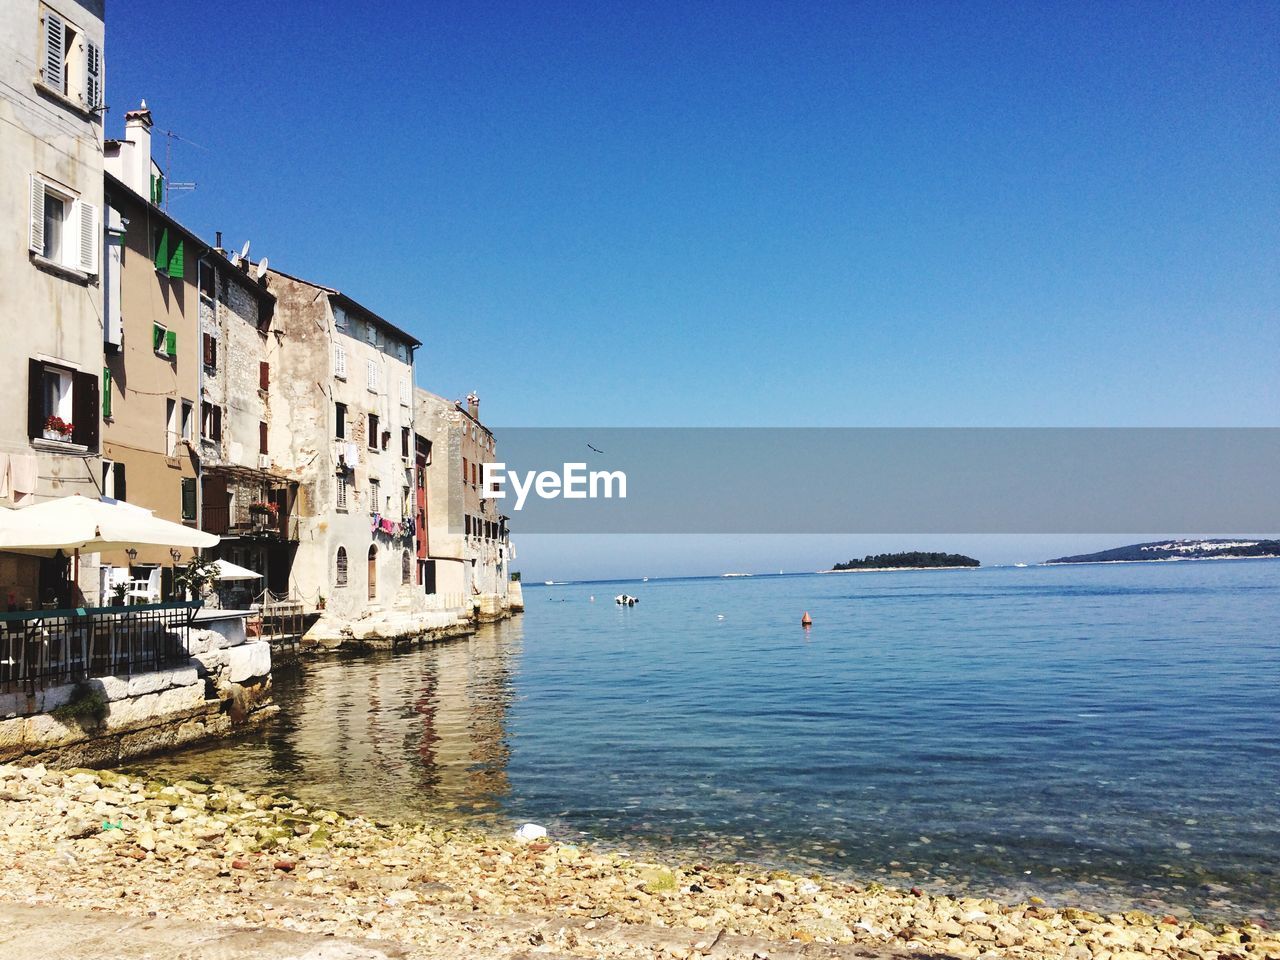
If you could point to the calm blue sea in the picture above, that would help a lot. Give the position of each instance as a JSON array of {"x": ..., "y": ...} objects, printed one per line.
[{"x": 1105, "y": 734}]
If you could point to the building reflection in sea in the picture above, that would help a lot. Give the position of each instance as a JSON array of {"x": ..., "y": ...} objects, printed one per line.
[{"x": 398, "y": 735}]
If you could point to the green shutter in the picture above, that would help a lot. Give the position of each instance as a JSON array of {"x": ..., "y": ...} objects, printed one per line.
[
  {"x": 162, "y": 250},
  {"x": 176, "y": 262},
  {"x": 188, "y": 498},
  {"x": 171, "y": 343},
  {"x": 157, "y": 189},
  {"x": 157, "y": 338},
  {"x": 106, "y": 393}
]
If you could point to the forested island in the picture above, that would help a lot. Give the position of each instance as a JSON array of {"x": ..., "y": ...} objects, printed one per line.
[
  {"x": 1180, "y": 550},
  {"x": 916, "y": 559}
]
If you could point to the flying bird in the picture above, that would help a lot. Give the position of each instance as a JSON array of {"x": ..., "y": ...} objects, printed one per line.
[{"x": 594, "y": 448}]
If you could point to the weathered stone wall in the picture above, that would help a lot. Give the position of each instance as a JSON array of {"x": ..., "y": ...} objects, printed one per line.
[{"x": 224, "y": 686}]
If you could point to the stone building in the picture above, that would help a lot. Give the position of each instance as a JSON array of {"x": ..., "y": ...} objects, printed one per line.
[
  {"x": 343, "y": 428},
  {"x": 469, "y": 541},
  {"x": 246, "y": 494},
  {"x": 152, "y": 422},
  {"x": 51, "y": 76}
]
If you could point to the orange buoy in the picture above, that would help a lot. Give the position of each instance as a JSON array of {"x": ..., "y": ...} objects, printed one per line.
[{"x": 806, "y": 620}]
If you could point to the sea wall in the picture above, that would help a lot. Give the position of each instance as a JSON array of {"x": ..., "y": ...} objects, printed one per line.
[{"x": 224, "y": 686}]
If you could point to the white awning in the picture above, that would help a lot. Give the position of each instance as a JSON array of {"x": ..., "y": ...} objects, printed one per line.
[{"x": 90, "y": 526}]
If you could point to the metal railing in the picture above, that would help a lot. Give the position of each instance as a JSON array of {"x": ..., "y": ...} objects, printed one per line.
[{"x": 47, "y": 648}]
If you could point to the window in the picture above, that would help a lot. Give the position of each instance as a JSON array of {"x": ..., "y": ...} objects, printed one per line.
[
  {"x": 210, "y": 351},
  {"x": 210, "y": 421},
  {"x": 373, "y": 431},
  {"x": 340, "y": 420},
  {"x": 71, "y": 65},
  {"x": 62, "y": 404},
  {"x": 404, "y": 442},
  {"x": 63, "y": 229},
  {"x": 208, "y": 279},
  {"x": 340, "y": 319},
  {"x": 113, "y": 479},
  {"x": 402, "y": 352},
  {"x": 165, "y": 342},
  {"x": 188, "y": 414},
  {"x": 406, "y": 566},
  {"x": 404, "y": 391},
  {"x": 106, "y": 393},
  {"x": 264, "y": 375},
  {"x": 375, "y": 491},
  {"x": 341, "y": 502},
  {"x": 466, "y": 470},
  {"x": 340, "y": 568},
  {"x": 340, "y": 361},
  {"x": 373, "y": 572},
  {"x": 371, "y": 333},
  {"x": 373, "y": 375},
  {"x": 466, "y": 524},
  {"x": 262, "y": 438},
  {"x": 170, "y": 426},
  {"x": 189, "y": 499},
  {"x": 169, "y": 256}
]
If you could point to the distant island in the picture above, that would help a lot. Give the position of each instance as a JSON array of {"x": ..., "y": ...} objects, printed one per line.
[
  {"x": 1180, "y": 550},
  {"x": 913, "y": 560}
]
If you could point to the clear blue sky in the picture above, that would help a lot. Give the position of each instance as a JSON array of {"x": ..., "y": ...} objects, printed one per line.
[{"x": 738, "y": 214}]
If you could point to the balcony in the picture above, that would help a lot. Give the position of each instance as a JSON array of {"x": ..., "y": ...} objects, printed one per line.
[{"x": 239, "y": 502}]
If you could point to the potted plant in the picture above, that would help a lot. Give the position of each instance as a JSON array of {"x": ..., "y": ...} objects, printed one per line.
[{"x": 55, "y": 428}]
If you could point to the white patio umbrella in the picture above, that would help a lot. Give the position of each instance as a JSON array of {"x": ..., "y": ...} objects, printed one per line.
[
  {"x": 91, "y": 526},
  {"x": 230, "y": 571}
]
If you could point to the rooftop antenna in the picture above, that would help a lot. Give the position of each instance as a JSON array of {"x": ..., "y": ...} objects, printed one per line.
[{"x": 171, "y": 185}]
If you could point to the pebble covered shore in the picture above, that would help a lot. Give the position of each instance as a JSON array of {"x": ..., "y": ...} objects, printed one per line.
[{"x": 98, "y": 840}]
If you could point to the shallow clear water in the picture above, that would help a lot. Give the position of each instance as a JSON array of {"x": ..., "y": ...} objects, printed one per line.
[{"x": 1102, "y": 734}]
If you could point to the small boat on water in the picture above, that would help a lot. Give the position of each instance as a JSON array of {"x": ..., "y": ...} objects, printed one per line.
[{"x": 626, "y": 600}]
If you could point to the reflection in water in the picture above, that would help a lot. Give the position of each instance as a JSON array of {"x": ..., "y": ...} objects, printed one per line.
[{"x": 393, "y": 735}]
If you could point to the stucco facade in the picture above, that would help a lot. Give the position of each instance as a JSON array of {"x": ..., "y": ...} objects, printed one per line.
[
  {"x": 345, "y": 430},
  {"x": 150, "y": 440},
  {"x": 470, "y": 546},
  {"x": 51, "y": 74}
]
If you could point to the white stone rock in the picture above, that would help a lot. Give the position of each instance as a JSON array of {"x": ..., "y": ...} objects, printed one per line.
[
  {"x": 113, "y": 688},
  {"x": 530, "y": 832},
  {"x": 248, "y": 661}
]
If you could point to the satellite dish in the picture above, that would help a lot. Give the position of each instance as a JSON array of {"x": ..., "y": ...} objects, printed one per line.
[
  {"x": 244, "y": 251},
  {"x": 234, "y": 259},
  {"x": 262, "y": 269}
]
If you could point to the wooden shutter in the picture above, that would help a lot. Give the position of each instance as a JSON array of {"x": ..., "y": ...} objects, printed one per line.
[
  {"x": 162, "y": 250},
  {"x": 93, "y": 75},
  {"x": 264, "y": 375},
  {"x": 35, "y": 237},
  {"x": 87, "y": 218},
  {"x": 118, "y": 470},
  {"x": 217, "y": 423},
  {"x": 54, "y": 33},
  {"x": 177, "y": 262},
  {"x": 262, "y": 437},
  {"x": 210, "y": 351},
  {"x": 339, "y": 359},
  {"x": 171, "y": 342},
  {"x": 35, "y": 398},
  {"x": 188, "y": 498},
  {"x": 84, "y": 410},
  {"x": 106, "y": 393}
]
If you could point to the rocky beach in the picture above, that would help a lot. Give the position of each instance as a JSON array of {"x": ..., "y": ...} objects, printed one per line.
[{"x": 210, "y": 854}]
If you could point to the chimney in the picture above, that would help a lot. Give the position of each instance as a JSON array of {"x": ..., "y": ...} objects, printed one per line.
[
  {"x": 473, "y": 405},
  {"x": 137, "y": 167}
]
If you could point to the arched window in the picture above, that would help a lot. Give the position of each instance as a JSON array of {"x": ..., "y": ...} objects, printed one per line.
[
  {"x": 340, "y": 578},
  {"x": 406, "y": 568},
  {"x": 373, "y": 571}
]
